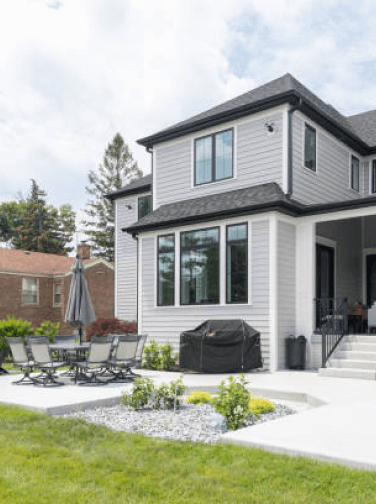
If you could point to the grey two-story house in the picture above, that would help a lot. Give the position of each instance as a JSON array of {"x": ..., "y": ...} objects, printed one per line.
[{"x": 261, "y": 208}]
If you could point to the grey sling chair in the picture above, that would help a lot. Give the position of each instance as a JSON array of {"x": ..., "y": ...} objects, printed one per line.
[
  {"x": 124, "y": 357},
  {"x": 140, "y": 350},
  {"x": 21, "y": 360},
  {"x": 43, "y": 360},
  {"x": 89, "y": 369}
]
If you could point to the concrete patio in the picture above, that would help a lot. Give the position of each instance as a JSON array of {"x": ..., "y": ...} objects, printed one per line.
[{"x": 338, "y": 427}]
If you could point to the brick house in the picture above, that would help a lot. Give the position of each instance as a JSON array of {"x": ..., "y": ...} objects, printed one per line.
[{"x": 35, "y": 286}]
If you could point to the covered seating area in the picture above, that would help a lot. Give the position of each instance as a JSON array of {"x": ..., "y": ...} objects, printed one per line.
[{"x": 103, "y": 360}]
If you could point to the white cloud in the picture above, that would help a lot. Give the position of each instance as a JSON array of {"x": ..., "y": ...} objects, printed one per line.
[{"x": 73, "y": 73}]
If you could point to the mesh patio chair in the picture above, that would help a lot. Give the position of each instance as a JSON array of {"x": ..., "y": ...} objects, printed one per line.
[
  {"x": 95, "y": 364},
  {"x": 21, "y": 360},
  {"x": 65, "y": 354},
  {"x": 43, "y": 360},
  {"x": 124, "y": 358},
  {"x": 140, "y": 349}
]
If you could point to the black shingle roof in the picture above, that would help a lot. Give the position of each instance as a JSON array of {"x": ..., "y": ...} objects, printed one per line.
[
  {"x": 285, "y": 89},
  {"x": 136, "y": 186},
  {"x": 215, "y": 206},
  {"x": 365, "y": 126}
]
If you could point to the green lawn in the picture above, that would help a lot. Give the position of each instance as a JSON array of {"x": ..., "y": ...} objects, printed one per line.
[{"x": 55, "y": 460}]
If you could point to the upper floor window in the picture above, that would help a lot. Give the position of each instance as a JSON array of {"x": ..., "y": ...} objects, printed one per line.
[
  {"x": 237, "y": 264},
  {"x": 199, "y": 267},
  {"x": 355, "y": 173},
  {"x": 374, "y": 176},
  {"x": 214, "y": 157},
  {"x": 29, "y": 291},
  {"x": 144, "y": 206},
  {"x": 166, "y": 270},
  {"x": 57, "y": 294},
  {"x": 310, "y": 147}
]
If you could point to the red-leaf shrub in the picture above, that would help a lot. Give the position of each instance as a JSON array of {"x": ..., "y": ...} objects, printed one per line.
[{"x": 102, "y": 327}]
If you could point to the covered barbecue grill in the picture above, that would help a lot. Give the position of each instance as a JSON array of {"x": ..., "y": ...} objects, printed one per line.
[{"x": 220, "y": 346}]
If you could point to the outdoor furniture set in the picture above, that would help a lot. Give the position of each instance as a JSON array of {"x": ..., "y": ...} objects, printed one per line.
[{"x": 103, "y": 360}]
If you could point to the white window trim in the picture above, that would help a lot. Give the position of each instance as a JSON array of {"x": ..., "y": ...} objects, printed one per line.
[
  {"x": 22, "y": 299},
  {"x": 311, "y": 125},
  {"x": 351, "y": 155},
  {"x": 54, "y": 295}
]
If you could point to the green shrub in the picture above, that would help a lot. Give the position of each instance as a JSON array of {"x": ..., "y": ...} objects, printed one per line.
[
  {"x": 199, "y": 397},
  {"x": 151, "y": 355},
  {"x": 159, "y": 356},
  {"x": 48, "y": 328},
  {"x": 169, "y": 395},
  {"x": 11, "y": 328},
  {"x": 233, "y": 402},
  {"x": 259, "y": 405},
  {"x": 142, "y": 391}
]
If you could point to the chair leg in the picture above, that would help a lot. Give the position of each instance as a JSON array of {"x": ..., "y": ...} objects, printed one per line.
[{"x": 25, "y": 377}]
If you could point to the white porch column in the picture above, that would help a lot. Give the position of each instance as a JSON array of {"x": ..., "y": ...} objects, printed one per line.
[{"x": 305, "y": 280}]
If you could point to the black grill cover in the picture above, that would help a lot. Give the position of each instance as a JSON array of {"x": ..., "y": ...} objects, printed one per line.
[{"x": 220, "y": 346}]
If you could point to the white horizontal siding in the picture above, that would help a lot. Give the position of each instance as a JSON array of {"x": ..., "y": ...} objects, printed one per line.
[
  {"x": 257, "y": 160},
  {"x": 286, "y": 278},
  {"x": 126, "y": 259},
  {"x": 331, "y": 182},
  {"x": 165, "y": 324}
]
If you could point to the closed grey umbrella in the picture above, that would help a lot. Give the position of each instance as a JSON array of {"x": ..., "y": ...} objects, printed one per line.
[{"x": 80, "y": 310}]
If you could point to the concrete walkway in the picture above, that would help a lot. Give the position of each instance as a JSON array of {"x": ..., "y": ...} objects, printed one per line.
[{"x": 339, "y": 427}]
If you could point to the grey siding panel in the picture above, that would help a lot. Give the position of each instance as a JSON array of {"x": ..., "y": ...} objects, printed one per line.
[
  {"x": 165, "y": 324},
  {"x": 366, "y": 184},
  {"x": 257, "y": 160},
  {"x": 126, "y": 259},
  {"x": 286, "y": 283},
  {"x": 331, "y": 182},
  {"x": 348, "y": 260},
  {"x": 369, "y": 231}
]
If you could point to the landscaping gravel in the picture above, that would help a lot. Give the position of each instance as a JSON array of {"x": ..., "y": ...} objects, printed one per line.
[{"x": 190, "y": 423}]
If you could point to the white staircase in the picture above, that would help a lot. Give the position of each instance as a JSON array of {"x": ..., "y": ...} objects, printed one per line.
[{"x": 355, "y": 357}]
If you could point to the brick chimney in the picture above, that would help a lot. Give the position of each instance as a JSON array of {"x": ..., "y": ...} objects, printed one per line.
[{"x": 83, "y": 250}]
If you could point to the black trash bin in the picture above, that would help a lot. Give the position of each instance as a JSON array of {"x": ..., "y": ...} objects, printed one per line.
[{"x": 296, "y": 352}]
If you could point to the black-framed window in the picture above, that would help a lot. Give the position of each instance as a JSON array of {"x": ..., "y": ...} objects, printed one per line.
[
  {"x": 310, "y": 147},
  {"x": 166, "y": 270},
  {"x": 199, "y": 267},
  {"x": 214, "y": 157},
  {"x": 144, "y": 206},
  {"x": 373, "y": 187},
  {"x": 355, "y": 173},
  {"x": 237, "y": 263}
]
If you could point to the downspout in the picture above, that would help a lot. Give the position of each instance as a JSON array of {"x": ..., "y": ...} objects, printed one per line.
[
  {"x": 135, "y": 237},
  {"x": 290, "y": 111},
  {"x": 150, "y": 151}
]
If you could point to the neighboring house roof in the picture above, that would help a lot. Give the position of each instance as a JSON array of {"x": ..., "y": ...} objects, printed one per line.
[
  {"x": 136, "y": 186},
  {"x": 365, "y": 126},
  {"x": 215, "y": 206},
  {"x": 285, "y": 89},
  {"x": 250, "y": 200},
  {"x": 38, "y": 263}
]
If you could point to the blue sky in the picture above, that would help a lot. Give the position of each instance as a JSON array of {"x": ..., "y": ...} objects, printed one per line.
[{"x": 73, "y": 73}]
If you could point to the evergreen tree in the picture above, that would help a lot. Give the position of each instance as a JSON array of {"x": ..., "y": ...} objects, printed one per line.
[
  {"x": 43, "y": 227},
  {"x": 117, "y": 169}
]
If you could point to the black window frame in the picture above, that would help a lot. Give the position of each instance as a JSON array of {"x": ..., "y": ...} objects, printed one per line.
[
  {"x": 213, "y": 157},
  {"x": 244, "y": 240},
  {"x": 148, "y": 198},
  {"x": 373, "y": 181},
  {"x": 170, "y": 235},
  {"x": 357, "y": 189},
  {"x": 219, "y": 266},
  {"x": 312, "y": 129}
]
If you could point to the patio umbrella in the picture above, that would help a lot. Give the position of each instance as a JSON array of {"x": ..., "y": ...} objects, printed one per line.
[{"x": 80, "y": 311}]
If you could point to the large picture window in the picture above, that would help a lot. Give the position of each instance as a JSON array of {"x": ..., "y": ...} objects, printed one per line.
[
  {"x": 166, "y": 270},
  {"x": 213, "y": 157},
  {"x": 199, "y": 267},
  {"x": 310, "y": 147},
  {"x": 355, "y": 173},
  {"x": 237, "y": 264},
  {"x": 29, "y": 291}
]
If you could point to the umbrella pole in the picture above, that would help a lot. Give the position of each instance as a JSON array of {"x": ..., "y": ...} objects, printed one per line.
[{"x": 80, "y": 333}]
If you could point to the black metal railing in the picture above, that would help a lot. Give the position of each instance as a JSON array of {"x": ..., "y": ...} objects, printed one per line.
[{"x": 332, "y": 323}]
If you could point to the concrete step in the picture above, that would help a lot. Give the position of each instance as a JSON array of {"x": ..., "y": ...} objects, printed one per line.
[
  {"x": 359, "y": 338},
  {"x": 352, "y": 363},
  {"x": 355, "y": 355},
  {"x": 357, "y": 347},
  {"x": 363, "y": 374}
]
